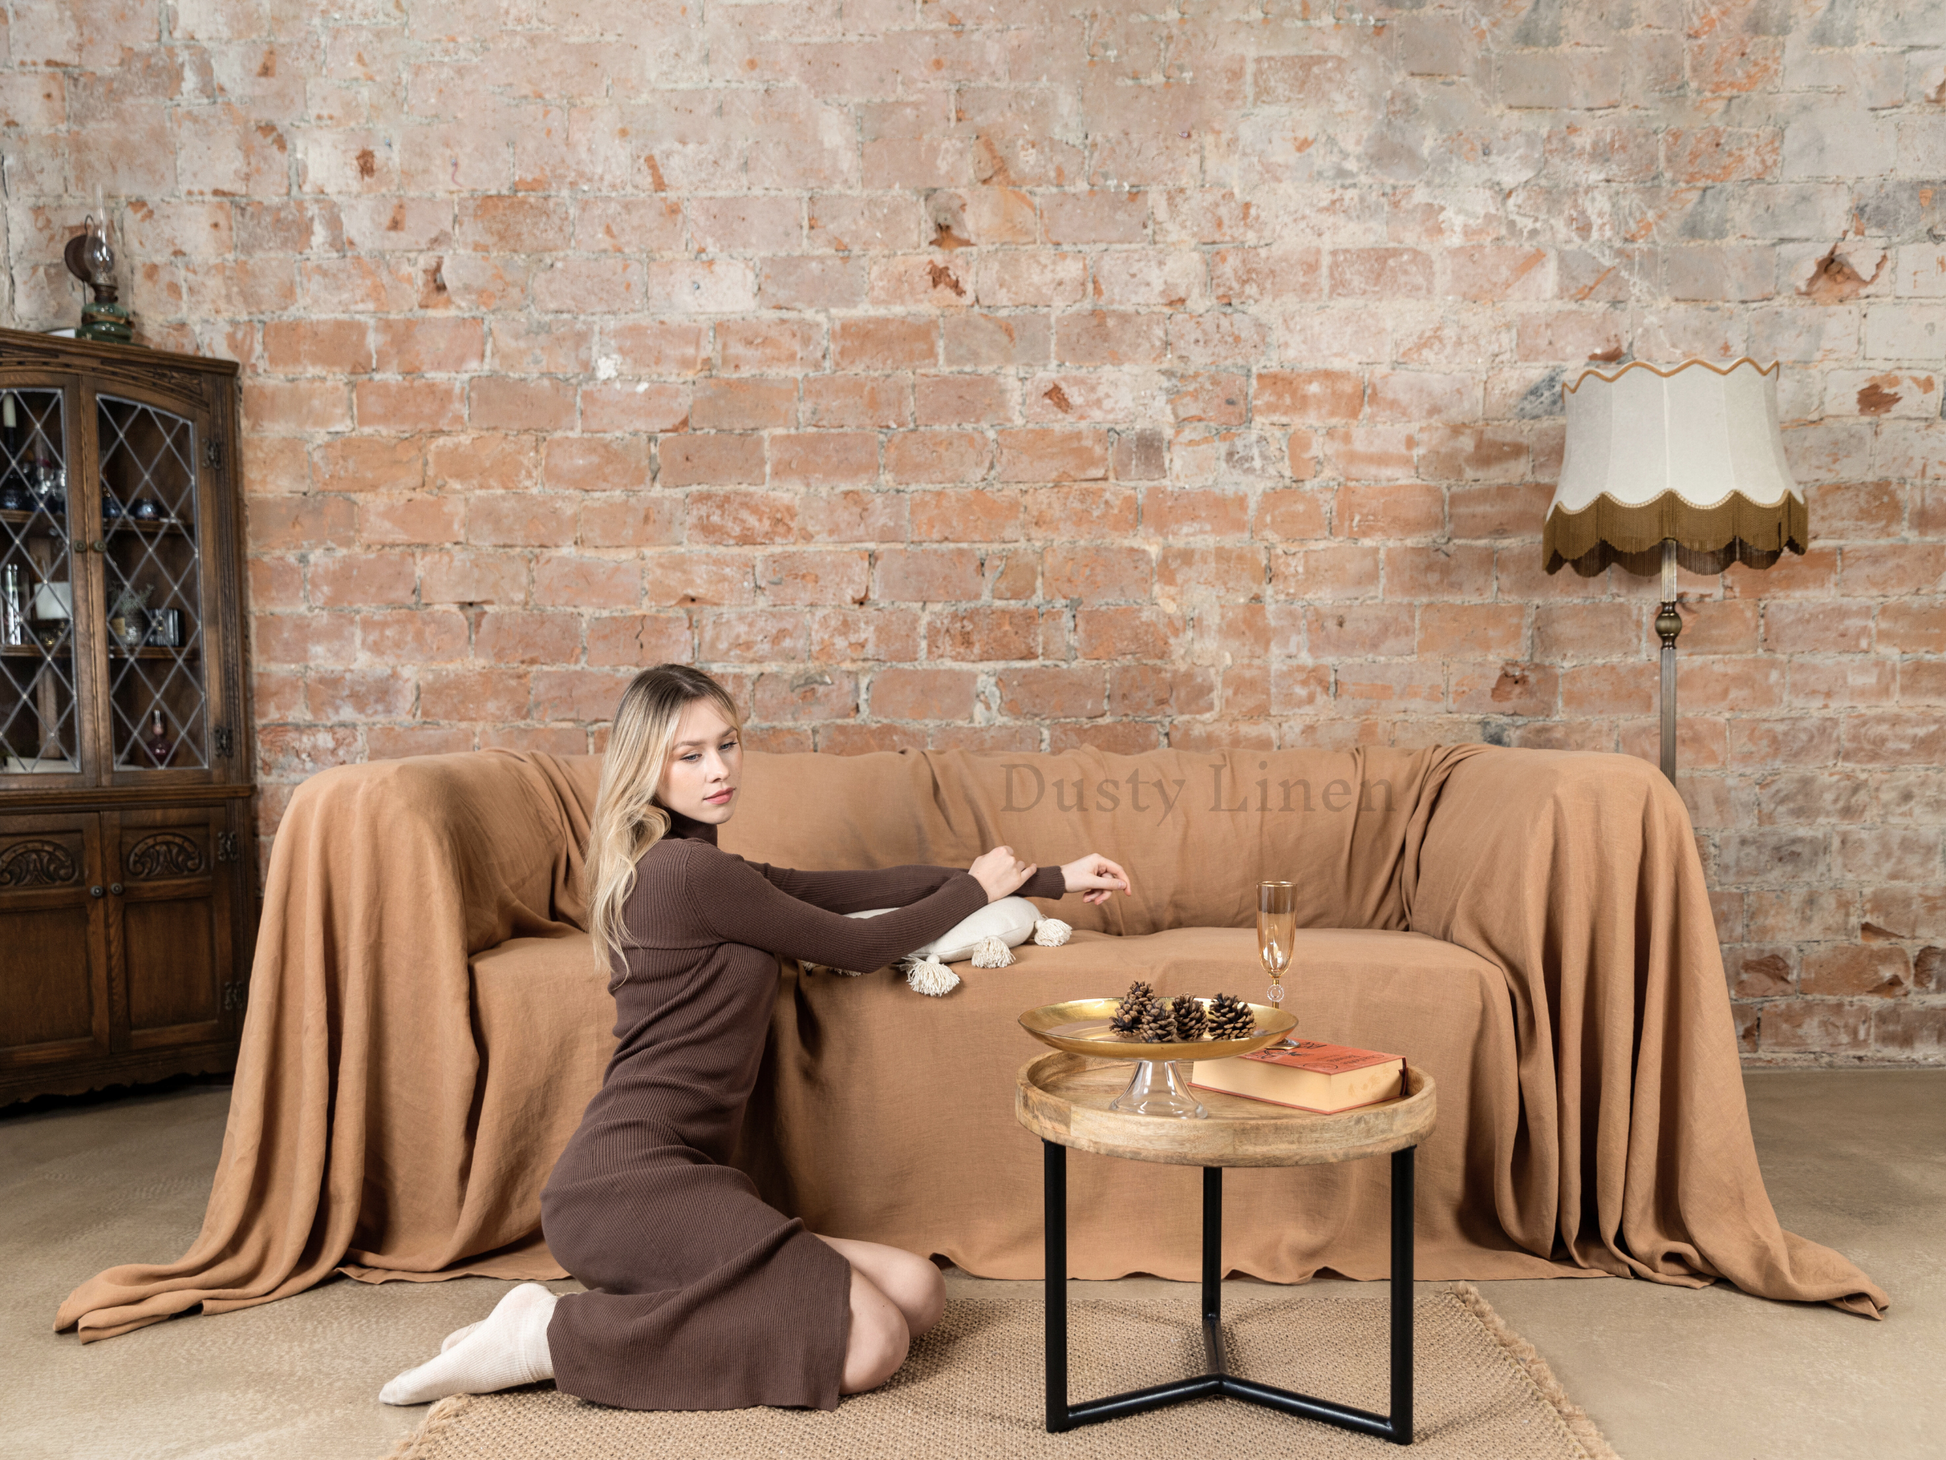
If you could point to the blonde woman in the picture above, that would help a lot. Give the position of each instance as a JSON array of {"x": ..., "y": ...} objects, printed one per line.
[{"x": 699, "y": 1295}]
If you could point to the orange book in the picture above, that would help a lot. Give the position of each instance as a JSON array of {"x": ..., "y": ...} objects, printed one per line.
[{"x": 1306, "y": 1075}]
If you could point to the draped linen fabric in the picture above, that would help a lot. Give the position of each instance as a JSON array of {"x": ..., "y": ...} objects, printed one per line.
[{"x": 426, "y": 1021}]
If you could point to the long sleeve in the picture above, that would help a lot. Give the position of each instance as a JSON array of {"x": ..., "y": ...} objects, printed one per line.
[
  {"x": 849, "y": 892},
  {"x": 739, "y": 904}
]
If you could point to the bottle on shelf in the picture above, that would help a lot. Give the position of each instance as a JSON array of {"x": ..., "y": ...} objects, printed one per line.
[
  {"x": 158, "y": 743},
  {"x": 13, "y": 614}
]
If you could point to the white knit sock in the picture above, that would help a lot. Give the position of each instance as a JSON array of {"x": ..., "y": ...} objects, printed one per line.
[{"x": 508, "y": 1348}]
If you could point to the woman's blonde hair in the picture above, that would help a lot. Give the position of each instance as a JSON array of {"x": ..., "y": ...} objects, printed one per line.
[{"x": 627, "y": 819}]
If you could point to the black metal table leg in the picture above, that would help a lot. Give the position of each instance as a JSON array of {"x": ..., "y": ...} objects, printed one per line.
[
  {"x": 1061, "y": 1415},
  {"x": 1402, "y": 1297},
  {"x": 1054, "y": 1199}
]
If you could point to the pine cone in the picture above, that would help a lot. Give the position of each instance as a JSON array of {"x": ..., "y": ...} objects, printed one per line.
[
  {"x": 1192, "y": 1021},
  {"x": 1134, "y": 1004},
  {"x": 1229, "y": 1018},
  {"x": 1158, "y": 1024}
]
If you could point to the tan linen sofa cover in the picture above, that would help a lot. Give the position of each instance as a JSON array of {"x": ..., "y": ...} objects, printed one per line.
[{"x": 425, "y": 1021}]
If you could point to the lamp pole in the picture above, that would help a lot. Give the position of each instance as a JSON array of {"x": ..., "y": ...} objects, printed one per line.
[{"x": 1668, "y": 624}]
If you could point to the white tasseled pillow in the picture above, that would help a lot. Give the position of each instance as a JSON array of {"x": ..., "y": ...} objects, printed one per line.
[{"x": 1010, "y": 919}]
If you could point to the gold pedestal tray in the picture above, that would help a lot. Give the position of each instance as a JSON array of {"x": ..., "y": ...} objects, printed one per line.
[{"x": 1081, "y": 1026}]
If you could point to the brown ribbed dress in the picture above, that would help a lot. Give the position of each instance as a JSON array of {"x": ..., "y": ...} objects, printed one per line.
[{"x": 701, "y": 1296}]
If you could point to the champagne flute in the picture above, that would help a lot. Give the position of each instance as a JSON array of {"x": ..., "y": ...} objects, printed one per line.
[{"x": 1276, "y": 929}]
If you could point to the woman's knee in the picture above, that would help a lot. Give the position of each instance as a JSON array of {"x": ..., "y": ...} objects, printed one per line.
[
  {"x": 878, "y": 1338},
  {"x": 922, "y": 1293}
]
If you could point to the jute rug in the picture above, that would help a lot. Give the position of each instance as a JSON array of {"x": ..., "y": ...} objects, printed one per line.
[{"x": 973, "y": 1390}]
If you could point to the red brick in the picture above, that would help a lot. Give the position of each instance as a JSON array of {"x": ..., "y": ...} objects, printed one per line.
[
  {"x": 1308, "y": 395},
  {"x": 390, "y": 522},
  {"x": 270, "y": 404},
  {"x": 715, "y": 458},
  {"x": 1161, "y": 689},
  {"x": 1193, "y": 513},
  {"x": 1081, "y": 511},
  {"x": 743, "y": 404},
  {"x": 884, "y": 343},
  {"x": 1506, "y": 689},
  {"x": 303, "y": 638},
  {"x": 298, "y": 524},
  {"x": 869, "y": 401},
  {"x": 596, "y": 463},
  {"x": 937, "y": 456},
  {"x": 396, "y": 742},
  {"x": 852, "y": 516},
  {"x": 519, "y": 637},
  {"x": 1860, "y": 969},
  {"x": 520, "y": 519},
  {"x": 983, "y": 633},
  {"x": 578, "y": 694},
  {"x": 770, "y": 345},
  {"x": 807, "y": 694},
  {"x": 369, "y": 464},
  {"x": 923, "y": 694},
  {"x": 814, "y": 576},
  {"x": 640, "y": 639},
  {"x": 1110, "y": 337},
  {"x": 352, "y": 580},
  {"x": 486, "y": 693},
  {"x": 318, "y": 346},
  {"x": 1472, "y": 630},
  {"x": 571, "y": 581},
  {"x": 1053, "y": 454},
  {"x": 980, "y": 340},
  {"x": 756, "y": 635},
  {"x": 823, "y": 458},
  {"x": 1050, "y": 692},
  {"x": 682, "y": 578},
  {"x": 741, "y": 517},
  {"x": 1380, "y": 273},
  {"x": 640, "y": 405},
  {"x": 543, "y": 346},
  {"x": 637, "y": 520},
  {"x": 1096, "y": 575},
  {"x": 491, "y": 463},
  {"x": 466, "y": 577},
  {"x": 505, "y": 403},
  {"x": 409, "y": 405},
  {"x": 967, "y": 514},
  {"x": 935, "y": 575},
  {"x": 439, "y": 346},
  {"x": 413, "y": 636},
  {"x": 948, "y": 400},
  {"x": 1394, "y": 510}
]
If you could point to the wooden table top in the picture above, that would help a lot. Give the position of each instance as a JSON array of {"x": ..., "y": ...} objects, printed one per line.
[{"x": 1064, "y": 1098}]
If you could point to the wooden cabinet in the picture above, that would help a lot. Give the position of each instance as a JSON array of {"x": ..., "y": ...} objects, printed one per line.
[{"x": 126, "y": 899}]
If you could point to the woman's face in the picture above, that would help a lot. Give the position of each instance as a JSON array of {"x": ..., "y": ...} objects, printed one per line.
[{"x": 705, "y": 764}]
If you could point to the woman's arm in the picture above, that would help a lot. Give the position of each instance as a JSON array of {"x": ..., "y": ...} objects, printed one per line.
[
  {"x": 849, "y": 892},
  {"x": 740, "y": 905}
]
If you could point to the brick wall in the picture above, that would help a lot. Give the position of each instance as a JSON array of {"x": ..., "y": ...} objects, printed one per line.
[{"x": 1018, "y": 374}]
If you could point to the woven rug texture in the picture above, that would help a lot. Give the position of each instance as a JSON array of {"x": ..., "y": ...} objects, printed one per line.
[{"x": 972, "y": 1389}]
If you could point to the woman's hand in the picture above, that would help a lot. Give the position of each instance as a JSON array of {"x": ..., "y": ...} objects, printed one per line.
[
  {"x": 1001, "y": 873},
  {"x": 1095, "y": 877}
]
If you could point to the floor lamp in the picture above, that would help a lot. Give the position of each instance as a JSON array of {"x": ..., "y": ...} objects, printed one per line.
[{"x": 1674, "y": 466}]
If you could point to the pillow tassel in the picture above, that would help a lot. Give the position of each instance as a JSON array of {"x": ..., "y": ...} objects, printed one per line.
[
  {"x": 930, "y": 976},
  {"x": 991, "y": 952},
  {"x": 1051, "y": 933}
]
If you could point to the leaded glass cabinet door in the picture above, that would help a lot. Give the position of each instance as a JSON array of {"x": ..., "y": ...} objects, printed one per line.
[
  {"x": 158, "y": 655},
  {"x": 44, "y": 643}
]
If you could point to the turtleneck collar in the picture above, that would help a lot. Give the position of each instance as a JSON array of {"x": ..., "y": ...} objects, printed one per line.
[{"x": 695, "y": 831}]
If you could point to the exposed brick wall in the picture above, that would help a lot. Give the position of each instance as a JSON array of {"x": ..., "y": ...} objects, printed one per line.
[{"x": 1011, "y": 373}]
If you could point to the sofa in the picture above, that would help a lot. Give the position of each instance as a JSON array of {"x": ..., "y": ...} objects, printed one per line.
[{"x": 426, "y": 1021}]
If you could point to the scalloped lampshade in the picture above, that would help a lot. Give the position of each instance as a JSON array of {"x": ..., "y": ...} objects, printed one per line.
[{"x": 1692, "y": 455}]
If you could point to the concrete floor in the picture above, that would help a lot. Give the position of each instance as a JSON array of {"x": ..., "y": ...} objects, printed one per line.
[{"x": 1856, "y": 1159}]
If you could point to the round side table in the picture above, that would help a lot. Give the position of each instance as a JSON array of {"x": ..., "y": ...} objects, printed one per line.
[{"x": 1064, "y": 1098}]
